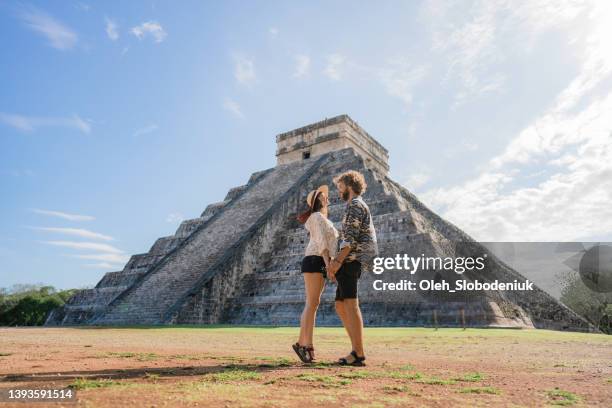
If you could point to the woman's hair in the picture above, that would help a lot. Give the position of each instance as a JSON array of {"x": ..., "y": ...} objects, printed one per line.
[
  {"x": 316, "y": 207},
  {"x": 354, "y": 180}
]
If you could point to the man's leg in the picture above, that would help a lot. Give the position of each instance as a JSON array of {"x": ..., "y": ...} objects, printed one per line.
[
  {"x": 354, "y": 324},
  {"x": 342, "y": 314}
]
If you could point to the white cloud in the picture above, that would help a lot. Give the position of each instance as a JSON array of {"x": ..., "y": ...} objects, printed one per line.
[
  {"x": 399, "y": 78},
  {"x": 102, "y": 265},
  {"x": 58, "y": 35},
  {"x": 67, "y": 216},
  {"x": 335, "y": 64},
  {"x": 112, "y": 258},
  {"x": 302, "y": 66},
  {"x": 233, "y": 107},
  {"x": 416, "y": 180},
  {"x": 571, "y": 140},
  {"x": 83, "y": 6},
  {"x": 244, "y": 69},
  {"x": 152, "y": 28},
  {"x": 175, "y": 217},
  {"x": 273, "y": 31},
  {"x": 145, "y": 130},
  {"x": 96, "y": 246},
  {"x": 475, "y": 38},
  {"x": 111, "y": 29},
  {"x": 32, "y": 123},
  {"x": 79, "y": 232}
]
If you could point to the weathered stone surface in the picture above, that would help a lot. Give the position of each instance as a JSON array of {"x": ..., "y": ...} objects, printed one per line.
[{"x": 239, "y": 262}]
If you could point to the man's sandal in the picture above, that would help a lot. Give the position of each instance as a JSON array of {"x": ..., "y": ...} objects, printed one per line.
[
  {"x": 303, "y": 353},
  {"x": 355, "y": 361}
]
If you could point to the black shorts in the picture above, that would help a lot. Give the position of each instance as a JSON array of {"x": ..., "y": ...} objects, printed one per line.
[
  {"x": 314, "y": 263},
  {"x": 347, "y": 277}
]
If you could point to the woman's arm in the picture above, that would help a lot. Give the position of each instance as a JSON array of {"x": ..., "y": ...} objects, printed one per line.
[{"x": 326, "y": 257}]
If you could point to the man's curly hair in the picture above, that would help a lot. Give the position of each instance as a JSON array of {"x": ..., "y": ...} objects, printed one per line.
[{"x": 354, "y": 180}]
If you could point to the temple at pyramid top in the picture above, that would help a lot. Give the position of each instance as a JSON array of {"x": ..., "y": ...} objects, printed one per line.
[{"x": 328, "y": 135}]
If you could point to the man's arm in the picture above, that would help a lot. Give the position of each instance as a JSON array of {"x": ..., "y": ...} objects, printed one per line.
[{"x": 350, "y": 234}]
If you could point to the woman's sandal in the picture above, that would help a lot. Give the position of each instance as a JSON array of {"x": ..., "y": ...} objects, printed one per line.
[
  {"x": 303, "y": 353},
  {"x": 357, "y": 361},
  {"x": 311, "y": 353}
]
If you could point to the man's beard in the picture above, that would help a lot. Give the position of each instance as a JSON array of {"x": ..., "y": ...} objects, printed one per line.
[{"x": 345, "y": 195}]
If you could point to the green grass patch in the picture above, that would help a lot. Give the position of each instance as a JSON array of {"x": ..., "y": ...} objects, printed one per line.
[
  {"x": 232, "y": 374},
  {"x": 435, "y": 381},
  {"x": 360, "y": 374},
  {"x": 322, "y": 365},
  {"x": 562, "y": 398},
  {"x": 399, "y": 375},
  {"x": 138, "y": 356},
  {"x": 470, "y": 377},
  {"x": 326, "y": 380},
  {"x": 185, "y": 357},
  {"x": 394, "y": 389},
  {"x": 121, "y": 354},
  {"x": 273, "y": 362},
  {"x": 479, "y": 390},
  {"x": 84, "y": 384}
]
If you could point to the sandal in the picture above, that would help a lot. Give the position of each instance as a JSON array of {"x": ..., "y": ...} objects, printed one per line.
[
  {"x": 311, "y": 354},
  {"x": 303, "y": 353},
  {"x": 357, "y": 361}
]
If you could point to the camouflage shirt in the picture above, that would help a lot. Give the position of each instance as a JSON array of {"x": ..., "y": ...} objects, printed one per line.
[{"x": 358, "y": 232}]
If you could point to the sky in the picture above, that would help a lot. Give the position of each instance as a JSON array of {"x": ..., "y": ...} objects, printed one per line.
[{"x": 118, "y": 120}]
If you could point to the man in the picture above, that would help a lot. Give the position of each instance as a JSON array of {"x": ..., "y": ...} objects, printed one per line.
[{"x": 356, "y": 248}]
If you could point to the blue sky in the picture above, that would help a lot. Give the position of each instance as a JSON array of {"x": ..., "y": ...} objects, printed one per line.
[{"x": 120, "y": 119}]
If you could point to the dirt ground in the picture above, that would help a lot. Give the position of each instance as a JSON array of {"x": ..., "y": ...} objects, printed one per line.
[{"x": 256, "y": 367}]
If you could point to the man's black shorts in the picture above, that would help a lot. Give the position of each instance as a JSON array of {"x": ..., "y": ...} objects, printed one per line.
[
  {"x": 347, "y": 277},
  {"x": 314, "y": 263}
]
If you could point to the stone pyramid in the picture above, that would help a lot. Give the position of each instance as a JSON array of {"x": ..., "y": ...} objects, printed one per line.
[{"x": 239, "y": 262}]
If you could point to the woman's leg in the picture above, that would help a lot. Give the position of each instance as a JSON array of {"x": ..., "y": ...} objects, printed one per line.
[{"x": 314, "y": 284}]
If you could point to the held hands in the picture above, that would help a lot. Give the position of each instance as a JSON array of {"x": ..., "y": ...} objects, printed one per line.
[{"x": 333, "y": 267}]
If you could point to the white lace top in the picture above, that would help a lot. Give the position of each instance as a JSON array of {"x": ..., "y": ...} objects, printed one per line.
[{"x": 323, "y": 235}]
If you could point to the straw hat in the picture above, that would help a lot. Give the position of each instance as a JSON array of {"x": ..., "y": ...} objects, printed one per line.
[{"x": 311, "y": 196}]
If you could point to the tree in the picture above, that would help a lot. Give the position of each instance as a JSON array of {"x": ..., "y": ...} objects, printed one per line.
[{"x": 30, "y": 305}]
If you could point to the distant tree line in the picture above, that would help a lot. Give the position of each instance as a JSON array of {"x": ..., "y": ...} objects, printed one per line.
[{"x": 29, "y": 305}]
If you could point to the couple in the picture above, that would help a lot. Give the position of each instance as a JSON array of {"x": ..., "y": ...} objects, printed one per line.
[{"x": 340, "y": 260}]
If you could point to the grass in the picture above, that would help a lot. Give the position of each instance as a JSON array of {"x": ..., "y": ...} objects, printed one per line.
[
  {"x": 399, "y": 389},
  {"x": 479, "y": 390},
  {"x": 471, "y": 377},
  {"x": 138, "y": 356},
  {"x": 274, "y": 362},
  {"x": 84, "y": 384},
  {"x": 326, "y": 380},
  {"x": 5, "y": 354},
  {"x": 435, "y": 381},
  {"x": 185, "y": 357},
  {"x": 232, "y": 374},
  {"x": 562, "y": 398},
  {"x": 360, "y": 374}
]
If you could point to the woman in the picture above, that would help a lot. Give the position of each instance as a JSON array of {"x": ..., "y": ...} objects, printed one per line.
[{"x": 321, "y": 247}]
